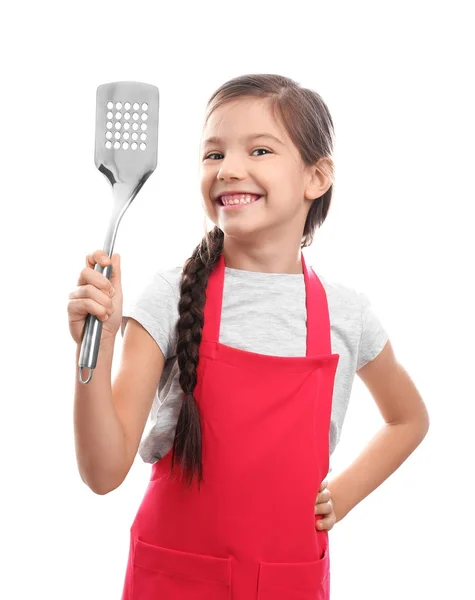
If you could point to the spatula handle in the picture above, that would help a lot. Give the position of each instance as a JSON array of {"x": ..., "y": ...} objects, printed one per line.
[{"x": 92, "y": 336}]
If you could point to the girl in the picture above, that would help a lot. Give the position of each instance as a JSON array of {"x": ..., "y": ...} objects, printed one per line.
[{"x": 243, "y": 344}]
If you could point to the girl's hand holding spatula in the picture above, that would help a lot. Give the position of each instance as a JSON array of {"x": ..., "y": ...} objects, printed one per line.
[{"x": 98, "y": 296}]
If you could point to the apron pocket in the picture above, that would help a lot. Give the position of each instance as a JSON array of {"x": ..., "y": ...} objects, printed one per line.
[
  {"x": 175, "y": 575},
  {"x": 295, "y": 581}
]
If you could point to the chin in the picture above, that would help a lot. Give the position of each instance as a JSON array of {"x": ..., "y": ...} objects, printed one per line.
[{"x": 240, "y": 231}]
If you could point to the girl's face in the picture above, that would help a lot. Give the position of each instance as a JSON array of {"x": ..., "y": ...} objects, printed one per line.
[{"x": 237, "y": 160}]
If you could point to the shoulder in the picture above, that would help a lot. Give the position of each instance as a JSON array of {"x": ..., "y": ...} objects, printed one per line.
[
  {"x": 341, "y": 297},
  {"x": 354, "y": 318},
  {"x": 154, "y": 304},
  {"x": 346, "y": 297},
  {"x": 163, "y": 283},
  {"x": 169, "y": 277}
]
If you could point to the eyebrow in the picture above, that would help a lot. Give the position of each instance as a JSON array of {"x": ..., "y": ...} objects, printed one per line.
[{"x": 216, "y": 140}]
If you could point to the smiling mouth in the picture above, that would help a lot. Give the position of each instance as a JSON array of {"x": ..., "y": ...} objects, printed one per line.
[{"x": 220, "y": 203}]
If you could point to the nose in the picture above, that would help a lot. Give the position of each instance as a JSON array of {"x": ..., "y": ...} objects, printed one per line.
[{"x": 231, "y": 167}]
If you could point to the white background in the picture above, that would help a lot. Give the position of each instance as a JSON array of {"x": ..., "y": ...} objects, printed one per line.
[{"x": 398, "y": 79}]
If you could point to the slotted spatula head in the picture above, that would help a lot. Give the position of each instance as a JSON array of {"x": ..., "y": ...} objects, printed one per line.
[{"x": 126, "y": 134}]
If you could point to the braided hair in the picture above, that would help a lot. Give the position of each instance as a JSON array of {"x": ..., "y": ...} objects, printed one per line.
[{"x": 187, "y": 442}]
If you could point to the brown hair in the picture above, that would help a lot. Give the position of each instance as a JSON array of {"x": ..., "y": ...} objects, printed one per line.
[{"x": 308, "y": 123}]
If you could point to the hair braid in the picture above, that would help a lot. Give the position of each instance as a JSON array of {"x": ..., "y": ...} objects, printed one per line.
[{"x": 187, "y": 443}]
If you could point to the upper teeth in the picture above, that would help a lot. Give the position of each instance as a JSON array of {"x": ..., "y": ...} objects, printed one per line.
[{"x": 238, "y": 199}]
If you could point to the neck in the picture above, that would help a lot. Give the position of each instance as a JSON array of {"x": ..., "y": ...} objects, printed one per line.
[{"x": 263, "y": 256}]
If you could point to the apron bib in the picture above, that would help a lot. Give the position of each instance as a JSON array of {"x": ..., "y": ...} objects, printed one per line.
[{"x": 249, "y": 532}]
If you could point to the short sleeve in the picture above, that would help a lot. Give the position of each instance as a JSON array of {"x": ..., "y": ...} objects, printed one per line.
[
  {"x": 153, "y": 307},
  {"x": 373, "y": 335}
]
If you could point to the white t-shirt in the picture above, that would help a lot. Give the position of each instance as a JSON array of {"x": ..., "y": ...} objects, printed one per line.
[{"x": 263, "y": 313}]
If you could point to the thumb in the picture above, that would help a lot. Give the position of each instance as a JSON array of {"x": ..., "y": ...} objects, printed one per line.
[{"x": 116, "y": 275}]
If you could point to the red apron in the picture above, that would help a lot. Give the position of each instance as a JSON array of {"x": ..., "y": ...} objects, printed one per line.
[{"x": 249, "y": 532}]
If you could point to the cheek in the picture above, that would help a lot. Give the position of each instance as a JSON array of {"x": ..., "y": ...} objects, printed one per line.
[
  {"x": 204, "y": 186},
  {"x": 279, "y": 180},
  {"x": 289, "y": 186},
  {"x": 281, "y": 187},
  {"x": 208, "y": 205},
  {"x": 207, "y": 183}
]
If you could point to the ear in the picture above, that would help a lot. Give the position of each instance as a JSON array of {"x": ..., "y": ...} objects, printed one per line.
[{"x": 321, "y": 177}]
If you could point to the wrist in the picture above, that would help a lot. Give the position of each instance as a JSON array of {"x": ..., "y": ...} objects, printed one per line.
[
  {"x": 338, "y": 499},
  {"x": 106, "y": 347}
]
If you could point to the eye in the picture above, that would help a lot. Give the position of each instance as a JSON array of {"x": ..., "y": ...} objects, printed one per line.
[
  {"x": 218, "y": 153},
  {"x": 265, "y": 150}
]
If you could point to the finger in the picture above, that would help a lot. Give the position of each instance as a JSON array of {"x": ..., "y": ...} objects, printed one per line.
[
  {"x": 326, "y": 523},
  {"x": 323, "y": 485},
  {"x": 103, "y": 259},
  {"x": 116, "y": 274},
  {"x": 82, "y": 306},
  {"x": 320, "y": 524},
  {"x": 91, "y": 292},
  {"x": 323, "y": 508},
  {"x": 98, "y": 256},
  {"x": 97, "y": 279},
  {"x": 324, "y": 496}
]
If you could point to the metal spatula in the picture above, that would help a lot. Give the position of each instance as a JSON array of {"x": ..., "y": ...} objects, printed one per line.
[{"x": 126, "y": 153}]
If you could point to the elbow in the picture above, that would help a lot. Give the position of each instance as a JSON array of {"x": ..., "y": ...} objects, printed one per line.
[
  {"x": 419, "y": 422},
  {"x": 425, "y": 421},
  {"x": 101, "y": 490},
  {"x": 427, "y": 424},
  {"x": 102, "y": 485},
  {"x": 416, "y": 426},
  {"x": 421, "y": 426}
]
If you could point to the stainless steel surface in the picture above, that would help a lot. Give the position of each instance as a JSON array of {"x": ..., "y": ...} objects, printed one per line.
[{"x": 126, "y": 154}]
